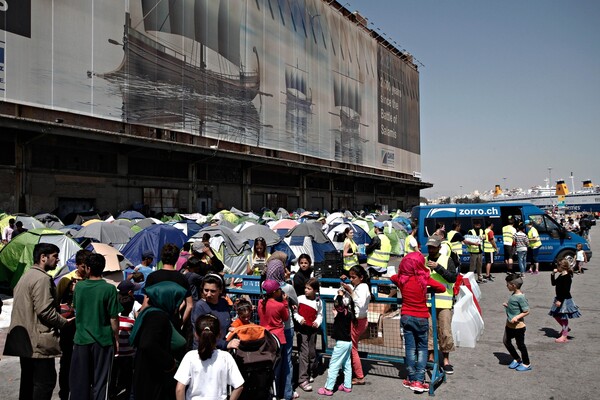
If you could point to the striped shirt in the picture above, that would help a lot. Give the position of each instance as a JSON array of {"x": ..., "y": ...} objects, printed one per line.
[{"x": 125, "y": 325}]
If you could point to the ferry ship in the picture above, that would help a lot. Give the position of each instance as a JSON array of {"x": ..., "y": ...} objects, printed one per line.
[{"x": 586, "y": 199}]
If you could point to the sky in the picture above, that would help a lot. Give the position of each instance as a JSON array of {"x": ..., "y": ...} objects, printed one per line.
[{"x": 508, "y": 89}]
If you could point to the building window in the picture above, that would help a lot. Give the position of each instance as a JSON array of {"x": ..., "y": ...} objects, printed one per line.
[{"x": 162, "y": 200}]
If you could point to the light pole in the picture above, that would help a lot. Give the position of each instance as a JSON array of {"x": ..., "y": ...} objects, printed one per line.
[{"x": 549, "y": 176}]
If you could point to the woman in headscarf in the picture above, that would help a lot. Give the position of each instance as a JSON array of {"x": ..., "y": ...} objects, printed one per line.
[
  {"x": 276, "y": 271},
  {"x": 412, "y": 279},
  {"x": 158, "y": 344}
]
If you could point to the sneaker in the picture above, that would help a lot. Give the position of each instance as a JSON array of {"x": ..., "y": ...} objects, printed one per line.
[
  {"x": 311, "y": 379},
  {"x": 325, "y": 392},
  {"x": 406, "y": 383},
  {"x": 536, "y": 272},
  {"x": 419, "y": 387},
  {"x": 562, "y": 339},
  {"x": 522, "y": 368},
  {"x": 514, "y": 364},
  {"x": 305, "y": 386},
  {"x": 343, "y": 388},
  {"x": 449, "y": 369}
]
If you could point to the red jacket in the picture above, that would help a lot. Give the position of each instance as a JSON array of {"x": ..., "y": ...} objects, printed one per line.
[
  {"x": 413, "y": 298},
  {"x": 273, "y": 316}
]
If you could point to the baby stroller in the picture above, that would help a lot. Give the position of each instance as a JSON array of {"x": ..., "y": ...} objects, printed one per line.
[{"x": 256, "y": 356}]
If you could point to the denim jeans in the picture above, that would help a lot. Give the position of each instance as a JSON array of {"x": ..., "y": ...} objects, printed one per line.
[
  {"x": 522, "y": 256},
  {"x": 415, "y": 346},
  {"x": 287, "y": 369}
]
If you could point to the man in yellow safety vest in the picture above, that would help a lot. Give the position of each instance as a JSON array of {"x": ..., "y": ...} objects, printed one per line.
[
  {"x": 534, "y": 247},
  {"x": 444, "y": 271},
  {"x": 508, "y": 238},
  {"x": 378, "y": 251}
]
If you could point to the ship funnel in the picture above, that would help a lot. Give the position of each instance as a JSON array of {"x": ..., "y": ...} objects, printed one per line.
[
  {"x": 561, "y": 188},
  {"x": 588, "y": 183},
  {"x": 497, "y": 190}
]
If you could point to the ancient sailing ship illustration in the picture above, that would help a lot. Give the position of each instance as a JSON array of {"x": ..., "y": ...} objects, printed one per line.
[
  {"x": 297, "y": 106},
  {"x": 347, "y": 100},
  {"x": 212, "y": 26}
]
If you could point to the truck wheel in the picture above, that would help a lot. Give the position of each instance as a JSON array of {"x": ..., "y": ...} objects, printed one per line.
[{"x": 568, "y": 255}]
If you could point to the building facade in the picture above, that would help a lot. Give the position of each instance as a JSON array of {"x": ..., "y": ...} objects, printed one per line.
[{"x": 201, "y": 105}]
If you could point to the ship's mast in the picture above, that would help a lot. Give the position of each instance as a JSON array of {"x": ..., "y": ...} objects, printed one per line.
[{"x": 572, "y": 183}]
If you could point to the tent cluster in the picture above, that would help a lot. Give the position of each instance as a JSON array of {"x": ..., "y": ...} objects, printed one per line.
[{"x": 122, "y": 240}]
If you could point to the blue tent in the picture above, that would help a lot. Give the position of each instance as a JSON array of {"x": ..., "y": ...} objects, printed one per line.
[
  {"x": 131, "y": 214},
  {"x": 152, "y": 238}
]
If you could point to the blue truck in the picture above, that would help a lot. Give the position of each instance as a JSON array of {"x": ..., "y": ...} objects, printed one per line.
[{"x": 557, "y": 242}]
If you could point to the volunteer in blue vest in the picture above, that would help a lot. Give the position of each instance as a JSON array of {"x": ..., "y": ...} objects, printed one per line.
[
  {"x": 378, "y": 251},
  {"x": 444, "y": 271},
  {"x": 534, "y": 247},
  {"x": 508, "y": 238},
  {"x": 476, "y": 250}
]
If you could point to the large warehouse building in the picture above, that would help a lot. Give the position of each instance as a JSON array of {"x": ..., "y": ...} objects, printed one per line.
[{"x": 197, "y": 105}]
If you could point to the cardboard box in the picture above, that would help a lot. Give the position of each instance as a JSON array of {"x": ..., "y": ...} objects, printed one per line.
[
  {"x": 376, "y": 310},
  {"x": 392, "y": 335}
]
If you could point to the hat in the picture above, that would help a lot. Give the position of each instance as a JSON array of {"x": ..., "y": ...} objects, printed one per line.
[
  {"x": 527, "y": 222},
  {"x": 270, "y": 286},
  {"x": 434, "y": 240},
  {"x": 148, "y": 254},
  {"x": 198, "y": 247},
  {"x": 378, "y": 225},
  {"x": 125, "y": 287}
]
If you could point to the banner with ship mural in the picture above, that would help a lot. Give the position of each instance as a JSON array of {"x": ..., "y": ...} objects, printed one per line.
[{"x": 289, "y": 75}]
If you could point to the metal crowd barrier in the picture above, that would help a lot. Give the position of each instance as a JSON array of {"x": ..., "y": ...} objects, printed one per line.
[{"x": 382, "y": 340}]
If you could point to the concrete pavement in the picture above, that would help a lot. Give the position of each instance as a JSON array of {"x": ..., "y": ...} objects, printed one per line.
[{"x": 560, "y": 371}]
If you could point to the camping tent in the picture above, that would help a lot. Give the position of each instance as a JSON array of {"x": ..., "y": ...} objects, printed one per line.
[
  {"x": 50, "y": 220},
  {"x": 232, "y": 249},
  {"x": 152, "y": 238},
  {"x": 106, "y": 232},
  {"x": 17, "y": 256},
  {"x": 131, "y": 215},
  {"x": 361, "y": 237},
  {"x": 308, "y": 238}
]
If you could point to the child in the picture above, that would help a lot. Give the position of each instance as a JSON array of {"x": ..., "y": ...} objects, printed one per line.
[
  {"x": 517, "y": 308},
  {"x": 309, "y": 316},
  {"x": 273, "y": 312},
  {"x": 412, "y": 279},
  {"x": 243, "y": 309},
  {"x": 361, "y": 296},
  {"x": 303, "y": 275},
  {"x": 341, "y": 357},
  {"x": 208, "y": 364},
  {"x": 563, "y": 307},
  {"x": 122, "y": 370},
  {"x": 580, "y": 259}
]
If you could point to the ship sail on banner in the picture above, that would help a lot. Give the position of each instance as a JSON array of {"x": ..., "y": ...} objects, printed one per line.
[
  {"x": 346, "y": 93},
  {"x": 295, "y": 83},
  {"x": 214, "y": 23}
]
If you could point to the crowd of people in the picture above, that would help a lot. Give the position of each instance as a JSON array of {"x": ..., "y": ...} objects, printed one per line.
[{"x": 161, "y": 333}]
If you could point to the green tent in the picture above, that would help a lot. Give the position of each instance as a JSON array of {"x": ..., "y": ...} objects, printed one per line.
[{"x": 17, "y": 256}]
